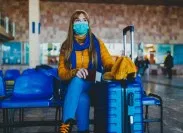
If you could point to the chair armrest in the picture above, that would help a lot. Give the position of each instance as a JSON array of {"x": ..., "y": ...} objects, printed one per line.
[{"x": 155, "y": 96}]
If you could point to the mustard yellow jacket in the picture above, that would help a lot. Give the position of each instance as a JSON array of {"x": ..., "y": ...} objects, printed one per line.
[{"x": 82, "y": 60}]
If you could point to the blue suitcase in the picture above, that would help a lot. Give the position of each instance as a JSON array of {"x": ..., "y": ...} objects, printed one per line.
[
  {"x": 118, "y": 106},
  {"x": 110, "y": 108}
]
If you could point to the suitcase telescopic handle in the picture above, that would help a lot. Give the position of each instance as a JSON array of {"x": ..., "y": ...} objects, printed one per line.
[{"x": 125, "y": 30}]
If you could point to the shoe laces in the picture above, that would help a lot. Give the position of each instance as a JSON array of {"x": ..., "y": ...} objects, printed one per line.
[{"x": 64, "y": 128}]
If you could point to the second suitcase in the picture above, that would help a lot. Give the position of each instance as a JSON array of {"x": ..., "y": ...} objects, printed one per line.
[{"x": 110, "y": 104}]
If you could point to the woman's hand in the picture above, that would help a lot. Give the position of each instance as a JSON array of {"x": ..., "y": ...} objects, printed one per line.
[{"x": 82, "y": 73}]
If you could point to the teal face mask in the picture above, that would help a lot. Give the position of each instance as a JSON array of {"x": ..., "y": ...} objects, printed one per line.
[{"x": 80, "y": 28}]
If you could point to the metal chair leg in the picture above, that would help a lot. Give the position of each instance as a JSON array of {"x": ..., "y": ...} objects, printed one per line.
[
  {"x": 59, "y": 113},
  {"x": 57, "y": 117},
  {"x": 161, "y": 110},
  {"x": 147, "y": 110},
  {"x": 5, "y": 120},
  {"x": 19, "y": 118},
  {"x": 11, "y": 119},
  {"x": 161, "y": 117},
  {"x": 145, "y": 126},
  {"x": 22, "y": 115},
  {"x": 146, "y": 117}
]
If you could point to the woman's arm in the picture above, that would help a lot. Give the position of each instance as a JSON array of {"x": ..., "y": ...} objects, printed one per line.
[
  {"x": 65, "y": 73},
  {"x": 106, "y": 58}
]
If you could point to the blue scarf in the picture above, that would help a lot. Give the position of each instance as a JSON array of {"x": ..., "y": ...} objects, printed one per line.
[{"x": 78, "y": 47}]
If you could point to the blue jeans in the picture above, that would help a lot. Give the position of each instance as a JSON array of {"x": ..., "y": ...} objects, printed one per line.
[{"x": 77, "y": 102}]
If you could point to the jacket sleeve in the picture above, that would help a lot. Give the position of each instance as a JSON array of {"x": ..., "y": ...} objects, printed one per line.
[
  {"x": 106, "y": 58},
  {"x": 65, "y": 73}
]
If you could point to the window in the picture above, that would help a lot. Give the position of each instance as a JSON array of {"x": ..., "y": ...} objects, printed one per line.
[{"x": 14, "y": 53}]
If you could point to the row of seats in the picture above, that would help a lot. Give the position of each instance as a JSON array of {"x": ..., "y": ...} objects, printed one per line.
[{"x": 36, "y": 88}]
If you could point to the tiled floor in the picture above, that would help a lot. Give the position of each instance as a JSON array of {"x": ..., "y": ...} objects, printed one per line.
[
  {"x": 171, "y": 92},
  {"x": 176, "y": 81}
]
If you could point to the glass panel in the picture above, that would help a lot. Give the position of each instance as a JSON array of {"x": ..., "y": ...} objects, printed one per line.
[
  {"x": 14, "y": 53},
  {"x": 161, "y": 50},
  {"x": 50, "y": 53},
  {"x": 26, "y": 53},
  {"x": 177, "y": 54}
]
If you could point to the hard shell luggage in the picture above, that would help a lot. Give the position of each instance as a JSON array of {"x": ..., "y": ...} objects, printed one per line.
[{"x": 118, "y": 107}]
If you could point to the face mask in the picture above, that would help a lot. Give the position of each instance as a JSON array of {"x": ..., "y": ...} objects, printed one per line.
[{"x": 80, "y": 28}]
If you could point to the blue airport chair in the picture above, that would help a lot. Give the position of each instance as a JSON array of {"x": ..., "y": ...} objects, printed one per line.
[
  {"x": 10, "y": 77},
  {"x": 33, "y": 90},
  {"x": 3, "y": 92},
  {"x": 58, "y": 84},
  {"x": 59, "y": 88},
  {"x": 151, "y": 100},
  {"x": 3, "y": 95},
  {"x": 11, "y": 74},
  {"x": 33, "y": 86}
]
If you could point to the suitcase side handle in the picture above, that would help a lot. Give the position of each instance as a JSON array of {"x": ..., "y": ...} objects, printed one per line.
[{"x": 130, "y": 99}]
